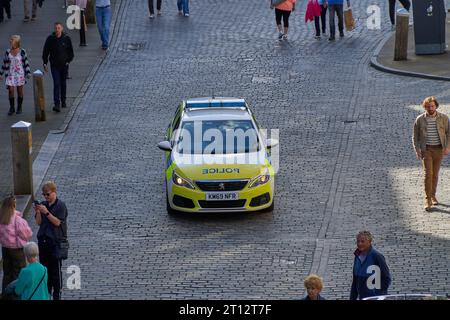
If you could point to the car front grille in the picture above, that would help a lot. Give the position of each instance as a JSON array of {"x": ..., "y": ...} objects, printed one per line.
[
  {"x": 222, "y": 204},
  {"x": 225, "y": 185}
]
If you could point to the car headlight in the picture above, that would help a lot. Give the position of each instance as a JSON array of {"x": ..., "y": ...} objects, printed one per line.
[
  {"x": 179, "y": 181},
  {"x": 260, "y": 180}
]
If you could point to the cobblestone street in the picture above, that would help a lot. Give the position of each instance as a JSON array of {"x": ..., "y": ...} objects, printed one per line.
[{"x": 346, "y": 161}]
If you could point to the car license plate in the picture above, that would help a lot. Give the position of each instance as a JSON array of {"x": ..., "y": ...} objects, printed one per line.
[{"x": 220, "y": 196}]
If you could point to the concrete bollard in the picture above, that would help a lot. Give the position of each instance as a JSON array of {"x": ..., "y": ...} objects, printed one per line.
[
  {"x": 39, "y": 99},
  {"x": 401, "y": 35},
  {"x": 90, "y": 12},
  {"x": 21, "y": 141}
]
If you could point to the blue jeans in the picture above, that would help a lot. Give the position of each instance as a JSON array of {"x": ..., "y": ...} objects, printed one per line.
[
  {"x": 59, "y": 76},
  {"x": 103, "y": 16},
  {"x": 183, "y": 5},
  {"x": 336, "y": 9}
]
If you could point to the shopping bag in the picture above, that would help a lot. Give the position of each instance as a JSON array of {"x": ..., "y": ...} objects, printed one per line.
[{"x": 349, "y": 21}]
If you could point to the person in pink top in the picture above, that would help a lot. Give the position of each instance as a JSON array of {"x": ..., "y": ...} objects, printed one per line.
[
  {"x": 14, "y": 234},
  {"x": 283, "y": 10}
]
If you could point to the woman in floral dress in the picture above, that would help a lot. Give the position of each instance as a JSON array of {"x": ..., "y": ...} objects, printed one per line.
[{"x": 16, "y": 69}]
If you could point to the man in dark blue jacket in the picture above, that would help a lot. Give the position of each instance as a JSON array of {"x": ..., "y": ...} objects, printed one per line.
[{"x": 371, "y": 276}]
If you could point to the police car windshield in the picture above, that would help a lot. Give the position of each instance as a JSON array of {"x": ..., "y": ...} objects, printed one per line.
[{"x": 218, "y": 137}]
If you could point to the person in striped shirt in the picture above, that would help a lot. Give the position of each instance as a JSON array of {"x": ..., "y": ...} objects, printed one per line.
[{"x": 431, "y": 140}]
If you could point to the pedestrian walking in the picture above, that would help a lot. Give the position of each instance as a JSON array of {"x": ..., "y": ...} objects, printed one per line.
[
  {"x": 16, "y": 68},
  {"x": 33, "y": 279},
  {"x": 151, "y": 9},
  {"x": 336, "y": 8},
  {"x": 283, "y": 10},
  {"x": 14, "y": 234},
  {"x": 405, "y": 3},
  {"x": 371, "y": 276},
  {"x": 323, "y": 16},
  {"x": 103, "y": 16},
  {"x": 431, "y": 140},
  {"x": 58, "y": 49},
  {"x": 183, "y": 7},
  {"x": 26, "y": 10},
  {"x": 5, "y": 7},
  {"x": 313, "y": 285},
  {"x": 51, "y": 216}
]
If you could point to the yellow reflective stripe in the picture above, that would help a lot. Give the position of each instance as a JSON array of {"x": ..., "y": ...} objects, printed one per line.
[{"x": 169, "y": 171}]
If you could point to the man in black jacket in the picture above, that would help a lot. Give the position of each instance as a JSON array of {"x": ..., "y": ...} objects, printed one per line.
[
  {"x": 58, "y": 47},
  {"x": 51, "y": 217}
]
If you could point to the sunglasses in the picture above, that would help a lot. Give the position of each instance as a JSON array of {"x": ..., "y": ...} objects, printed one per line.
[{"x": 47, "y": 194}]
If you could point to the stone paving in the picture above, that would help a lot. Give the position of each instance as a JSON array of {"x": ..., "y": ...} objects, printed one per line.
[{"x": 346, "y": 161}]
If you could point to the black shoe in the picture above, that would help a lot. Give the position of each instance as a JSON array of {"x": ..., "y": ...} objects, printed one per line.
[
  {"x": 63, "y": 105},
  {"x": 19, "y": 105},
  {"x": 341, "y": 35},
  {"x": 56, "y": 108},
  {"x": 331, "y": 39},
  {"x": 11, "y": 111}
]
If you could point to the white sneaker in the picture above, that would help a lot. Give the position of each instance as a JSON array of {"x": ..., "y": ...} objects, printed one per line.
[
  {"x": 151, "y": 16},
  {"x": 186, "y": 14}
]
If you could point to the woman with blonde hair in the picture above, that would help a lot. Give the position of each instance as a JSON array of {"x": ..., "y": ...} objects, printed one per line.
[
  {"x": 16, "y": 68},
  {"x": 14, "y": 234},
  {"x": 314, "y": 285}
]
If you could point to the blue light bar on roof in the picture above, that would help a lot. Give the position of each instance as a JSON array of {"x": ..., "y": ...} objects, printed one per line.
[{"x": 235, "y": 103}]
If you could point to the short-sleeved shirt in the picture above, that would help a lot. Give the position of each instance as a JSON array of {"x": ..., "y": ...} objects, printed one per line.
[{"x": 46, "y": 229}]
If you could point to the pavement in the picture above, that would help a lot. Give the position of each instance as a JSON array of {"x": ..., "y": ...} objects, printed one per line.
[
  {"x": 47, "y": 135},
  {"x": 422, "y": 66},
  {"x": 33, "y": 36},
  {"x": 346, "y": 161}
]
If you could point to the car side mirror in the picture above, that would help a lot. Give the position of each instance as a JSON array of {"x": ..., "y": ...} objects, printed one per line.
[
  {"x": 165, "y": 146},
  {"x": 270, "y": 143}
]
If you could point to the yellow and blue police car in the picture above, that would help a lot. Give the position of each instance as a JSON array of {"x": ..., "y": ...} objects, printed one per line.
[{"x": 217, "y": 159}]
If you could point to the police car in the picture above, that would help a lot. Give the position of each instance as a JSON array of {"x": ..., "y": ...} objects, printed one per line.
[{"x": 217, "y": 159}]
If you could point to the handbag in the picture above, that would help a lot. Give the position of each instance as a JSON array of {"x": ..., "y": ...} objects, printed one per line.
[
  {"x": 62, "y": 249},
  {"x": 349, "y": 21},
  {"x": 274, "y": 3},
  {"x": 61, "y": 242}
]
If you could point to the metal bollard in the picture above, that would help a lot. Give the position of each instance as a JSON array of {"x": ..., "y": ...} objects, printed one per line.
[
  {"x": 39, "y": 99},
  {"x": 401, "y": 35},
  {"x": 82, "y": 29},
  {"x": 21, "y": 142}
]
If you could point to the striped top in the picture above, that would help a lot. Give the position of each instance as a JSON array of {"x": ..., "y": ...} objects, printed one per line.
[{"x": 432, "y": 132}]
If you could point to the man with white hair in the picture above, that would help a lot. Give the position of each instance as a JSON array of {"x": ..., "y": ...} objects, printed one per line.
[
  {"x": 32, "y": 281},
  {"x": 371, "y": 275}
]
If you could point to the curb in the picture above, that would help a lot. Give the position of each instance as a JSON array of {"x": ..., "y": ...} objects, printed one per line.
[{"x": 376, "y": 65}]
